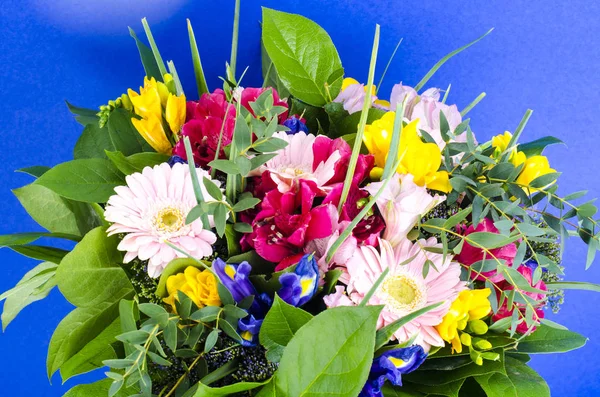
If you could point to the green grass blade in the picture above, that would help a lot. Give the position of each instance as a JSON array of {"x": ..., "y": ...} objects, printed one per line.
[
  {"x": 234, "y": 40},
  {"x": 446, "y": 93},
  {"x": 374, "y": 287},
  {"x": 472, "y": 104},
  {"x": 198, "y": 70},
  {"x": 442, "y": 61},
  {"x": 362, "y": 124},
  {"x": 159, "y": 60},
  {"x": 387, "y": 66},
  {"x": 173, "y": 72},
  {"x": 195, "y": 181},
  {"x": 395, "y": 142},
  {"x": 515, "y": 138}
]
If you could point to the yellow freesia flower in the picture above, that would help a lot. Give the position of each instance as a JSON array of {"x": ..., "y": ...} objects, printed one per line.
[
  {"x": 500, "y": 143},
  {"x": 175, "y": 112},
  {"x": 199, "y": 285},
  {"x": 421, "y": 160},
  {"x": 148, "y": 101},
  {"x": 470, "y": 305},
  {"x": 348, "y": 81},
  {"x": 535, "y": 166},
  {"x": 151, "y": 129}
]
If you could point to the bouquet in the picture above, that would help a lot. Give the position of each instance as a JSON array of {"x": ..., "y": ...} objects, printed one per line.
[{"x": 312, "y": 236}]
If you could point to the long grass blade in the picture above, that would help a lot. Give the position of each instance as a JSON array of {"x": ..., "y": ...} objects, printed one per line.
[
  {"x": 195, "y": 181},
  {"x": 446, "y": 93},
  {"x": 442, "y": 61},
  {"x": 374, "y": 287},
  {"x": 159, "y": 60},
  {"x": 198, "y": 70},
  {"x": 173, "y": 72},
  {"x": 234, "y": 40},
  {"x": 362, "y": 124},
  {"x": 395, "y": 142},
  {"x": 388, "y": 65},
  {"x": 472, "y": 104},
  {"x": 515, "y": 138}
]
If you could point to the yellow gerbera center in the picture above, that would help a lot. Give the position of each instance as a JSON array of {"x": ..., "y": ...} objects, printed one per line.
[
  {"x": 169, "y": 220},
  {"x": 401, "y": 293}
]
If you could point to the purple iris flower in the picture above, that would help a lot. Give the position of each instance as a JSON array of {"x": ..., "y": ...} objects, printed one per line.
[
  {"x": 249, "y": 327},
  {"x": 390, "y": 366},
  {"x": 175, "y": 160},
  {"x": 295, "y": 125},
  {"x": 299, "y": 287}
]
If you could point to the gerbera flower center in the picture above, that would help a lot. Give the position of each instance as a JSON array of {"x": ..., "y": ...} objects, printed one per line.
[
  {"x": 401, "y": 293},
  {"x": 169, "y": 219}
]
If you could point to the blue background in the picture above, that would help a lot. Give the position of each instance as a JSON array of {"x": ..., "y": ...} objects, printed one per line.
[{"x": 541, "y": 56}]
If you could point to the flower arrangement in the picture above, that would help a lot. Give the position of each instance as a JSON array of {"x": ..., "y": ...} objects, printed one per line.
[{"x": 307, "y": 237}]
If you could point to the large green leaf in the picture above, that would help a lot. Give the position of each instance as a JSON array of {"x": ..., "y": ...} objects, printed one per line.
[
  {"x": 34, "y": 286},
  {"x": 206, "y": 391},
  {"x": 82, "y": 115},
  {"x": 79, "y": 328},
  {"x": 520, "y": 381},
  {"x": 87, "y": 180},
  {"x": 92, "y": 143},
  {"x": 391, "y": 391},
  {"x": 269, "y": 73},
  {"x": 55, "y": 213},
  {"x": 147, "y": 57},
  {"x": 123, "y": 134},
  {"x": 333, "y": 352},
  {"x": 91, "y": 356},
  {"x": 35, "y": 171},
  {"x": 279, "y": 327},
  {"x": 91, "y": 273},
  {"x": 6, "y": 240},
  {"x": 40, "y": 252},
  {"x": 304, "y": 56},
  {"x": 449, "y": 389},
  {"x": 547, "y": 339}
]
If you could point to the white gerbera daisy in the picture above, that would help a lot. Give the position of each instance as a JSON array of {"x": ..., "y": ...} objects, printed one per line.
[{"x": 151, "y": 211}]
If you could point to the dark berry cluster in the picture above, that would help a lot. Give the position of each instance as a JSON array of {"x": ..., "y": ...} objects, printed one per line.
[
  {"x": 440, "y": 211},
  {"x": 144, "y": 285},
  {"x": 165, "y": 377},
  {"x": 253, "y": 365}
]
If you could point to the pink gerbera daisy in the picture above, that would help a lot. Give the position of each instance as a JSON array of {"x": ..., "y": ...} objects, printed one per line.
[
  {"x": 404, "y": 290},
  {"x": 151, "y": 212}
]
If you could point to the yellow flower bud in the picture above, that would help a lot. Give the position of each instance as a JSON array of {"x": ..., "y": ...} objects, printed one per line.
[
  {"x": 465, "y": 339},
  {"x": 479, "y": 360},
  {"x": 126, "y": 103},
  {"x": 500, "y": 142},
  {"x": 175, "y": 112},
  {"x": 483, "y": 344},
  {"x": 199, "y": 285},
  {"x": 478, "y": 327},
  {"x": 152, "y": 131}
]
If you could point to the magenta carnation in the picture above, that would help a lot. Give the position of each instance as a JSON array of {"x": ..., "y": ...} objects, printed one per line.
[
  {"x": 324, "y": 147},
  {"x": 204, "y": 121},
  {"x": 469, "y": 254}
]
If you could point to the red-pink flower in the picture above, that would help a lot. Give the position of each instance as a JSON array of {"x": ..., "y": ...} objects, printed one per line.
[
  {"x": 204, "y": 120},
  {"x": 324, "y": 147},
  {"x": 470, "y": 254},
  {"x": 505, "y": 311},
  {"x": 250, "y": 94},
  {"x": 288, "y": 221}
]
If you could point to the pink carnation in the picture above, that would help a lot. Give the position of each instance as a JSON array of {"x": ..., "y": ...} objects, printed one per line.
[{"x": 469, "y": 254}]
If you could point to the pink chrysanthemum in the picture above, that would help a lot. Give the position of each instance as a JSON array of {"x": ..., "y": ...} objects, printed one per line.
[
  {"x": 151, "y": 211},
  {"x": 404, "y": 290},
  {"x": 295, "y": 162}
]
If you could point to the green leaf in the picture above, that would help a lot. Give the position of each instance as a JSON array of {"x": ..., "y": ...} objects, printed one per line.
[
  {"x": 279, "y": 327},
  {"x": 147, "y": 57},
  {"x": 270, "y": 75},
  {"x": 551, "y": 340},
  {"x": 212, "y": 189},
  {"x": 245, "y": 204},
  {"x": 26, "y": 238},
  {"x": 157, "y": 58},
  {"x": 78, "y": 328},
  {"x": 542, "y": 181},
  {"x": 40, "y": 252},
  {"x": 536, "y": 147},
  {"x": 303, "y": 55},
  {"x": 175, "y": 266},
  {"x": 333, "y": 352},
  {"x": 55, "y": 213},
  {"x": 271, "y": 145},
  {"x": 206, "y": 391},
  {"x": 93, "y": 142},
  {"x": 93, "y": 354},
  {"x": 82, "y": 115},
  {"x": 35, "y": 285},
  {"x": 136, "y": 162},
  {"x": 97, "y": 389},
  {"x": 580, "y": 285},
  {"x": 242, "y": 137},
  {"x": 490, "y": 240},
  {"x": 35, "y": 171},
  {"x": 91, "y": 273},
  {"x": 442, "y": 61},
  {"x": 520, "y": 381},
  {"x": 198, "y": 70},
  {"x": 226, "y": 166},
  {"x": 123, "y": 134},
  {"x": 87, "y": 180}
]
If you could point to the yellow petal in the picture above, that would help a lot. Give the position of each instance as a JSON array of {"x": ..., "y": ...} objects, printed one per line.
[
  {"x": 440, "y": 182},
  {"x": 348, "y": 81},
  {"x": 152, "y": 131}
]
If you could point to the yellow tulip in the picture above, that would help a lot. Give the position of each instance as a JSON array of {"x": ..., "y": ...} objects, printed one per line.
[
  {"x": 535, "y": 166},
  {"x": 175, "y": 112},
  {"x": 421, "y": 160},
  {"x": 199, "y": 285},
  {"x": 151, "y": 129},
  {"x": 148, "y": 101},
  {"x": 470, "y": 305}
]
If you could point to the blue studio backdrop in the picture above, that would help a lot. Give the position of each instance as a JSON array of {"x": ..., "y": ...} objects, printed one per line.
[{"x": 542, "y": 55}]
